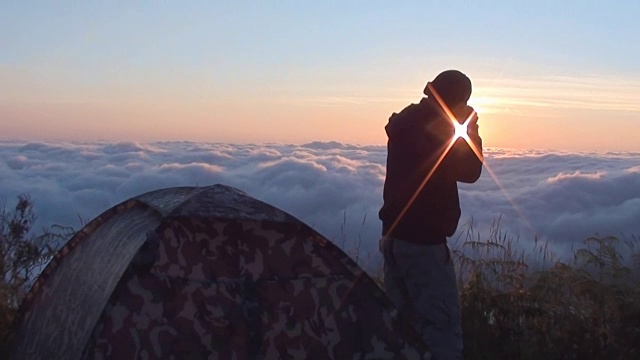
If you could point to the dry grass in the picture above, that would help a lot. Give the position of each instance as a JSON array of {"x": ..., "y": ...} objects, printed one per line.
[{"x": 534, "y": 305}]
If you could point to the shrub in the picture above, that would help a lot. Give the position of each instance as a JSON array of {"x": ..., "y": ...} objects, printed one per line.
[
  {"x": 587, "y": 307},
  {"x": 22, "y": 256}
]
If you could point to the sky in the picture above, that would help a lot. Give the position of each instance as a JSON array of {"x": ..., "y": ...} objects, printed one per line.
[
  {"x": 558, "y": 198},
  {"x": 547, "y": 75}
]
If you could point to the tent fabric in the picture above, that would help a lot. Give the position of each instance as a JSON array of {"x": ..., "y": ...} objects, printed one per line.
[{"x": 207, "y": 273}]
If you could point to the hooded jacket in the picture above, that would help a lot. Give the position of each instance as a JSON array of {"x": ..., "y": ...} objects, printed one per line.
[{"x": 418, "y": 137}]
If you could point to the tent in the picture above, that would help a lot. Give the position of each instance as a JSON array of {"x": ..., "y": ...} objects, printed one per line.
[{"x": 206, "y": 273}]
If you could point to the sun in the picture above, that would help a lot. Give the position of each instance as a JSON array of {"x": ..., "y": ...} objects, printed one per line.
[{"x": 460, "y": 130}]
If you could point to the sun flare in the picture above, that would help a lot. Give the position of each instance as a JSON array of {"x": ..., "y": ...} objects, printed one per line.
[{"x": 460, "y": 130}]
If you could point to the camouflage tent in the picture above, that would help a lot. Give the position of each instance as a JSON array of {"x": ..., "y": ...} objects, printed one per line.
[{"x": 206, "y": 272}]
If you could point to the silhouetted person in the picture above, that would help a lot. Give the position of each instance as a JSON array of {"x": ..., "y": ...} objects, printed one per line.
[{"x": 419, "y": 274}]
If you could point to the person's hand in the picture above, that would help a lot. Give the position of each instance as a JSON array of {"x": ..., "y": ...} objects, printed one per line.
[{"x": 472, "y": 128}]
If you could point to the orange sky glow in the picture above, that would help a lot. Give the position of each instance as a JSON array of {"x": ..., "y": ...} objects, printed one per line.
[
  {"x": 294, "y": 74},
  {"x": 545, "y": 112}
]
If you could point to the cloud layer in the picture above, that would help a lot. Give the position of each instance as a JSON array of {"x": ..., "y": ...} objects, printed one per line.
[{"x": 333, "y": 187}]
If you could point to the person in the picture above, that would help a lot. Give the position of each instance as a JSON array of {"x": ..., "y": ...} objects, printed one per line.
[{"x": 421, "y": 208}]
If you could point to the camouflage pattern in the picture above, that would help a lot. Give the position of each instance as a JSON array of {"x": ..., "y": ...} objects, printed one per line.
[{"x": 232, "y": 278}]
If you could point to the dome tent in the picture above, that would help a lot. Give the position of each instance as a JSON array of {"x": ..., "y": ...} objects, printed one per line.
[{"x": 206, "y": 272}]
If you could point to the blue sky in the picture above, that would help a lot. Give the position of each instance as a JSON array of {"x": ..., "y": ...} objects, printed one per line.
[
  {"x": 296, "y": 71},
  {"x": 590, "y": 34}
]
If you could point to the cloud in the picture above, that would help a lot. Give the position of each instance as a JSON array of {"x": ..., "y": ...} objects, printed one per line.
[
  {"x": 590, "y": 93},
  {"x": 335, "y": 188}
]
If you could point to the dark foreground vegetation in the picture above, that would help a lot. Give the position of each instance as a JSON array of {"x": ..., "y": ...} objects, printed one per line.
[
  {"x": 22, "y": 257},
  {"x": 532, "y": 305},
  {"x": 516, "y": 304}
]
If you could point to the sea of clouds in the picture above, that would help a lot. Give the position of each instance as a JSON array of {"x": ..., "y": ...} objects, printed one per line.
[{"x": 336, "y": 188}]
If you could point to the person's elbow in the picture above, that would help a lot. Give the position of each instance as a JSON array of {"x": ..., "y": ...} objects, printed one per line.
[
  {"x": 470, "y": 160},
  {"x": 470, "y": 174}
]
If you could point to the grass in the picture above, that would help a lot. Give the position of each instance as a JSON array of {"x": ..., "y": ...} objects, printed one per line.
[{"x": 534, "y": 304}]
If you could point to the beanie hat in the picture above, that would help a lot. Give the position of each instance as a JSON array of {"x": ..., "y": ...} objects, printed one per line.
[{"x": 453, "y": 86}]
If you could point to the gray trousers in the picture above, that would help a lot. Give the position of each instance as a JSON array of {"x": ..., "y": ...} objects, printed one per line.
[{"x": 421, "y": 281}]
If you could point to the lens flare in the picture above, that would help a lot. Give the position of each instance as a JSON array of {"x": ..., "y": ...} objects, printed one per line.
[
  {"x": 508, "y": 197},
  {"x": 460, "y": 131}
]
